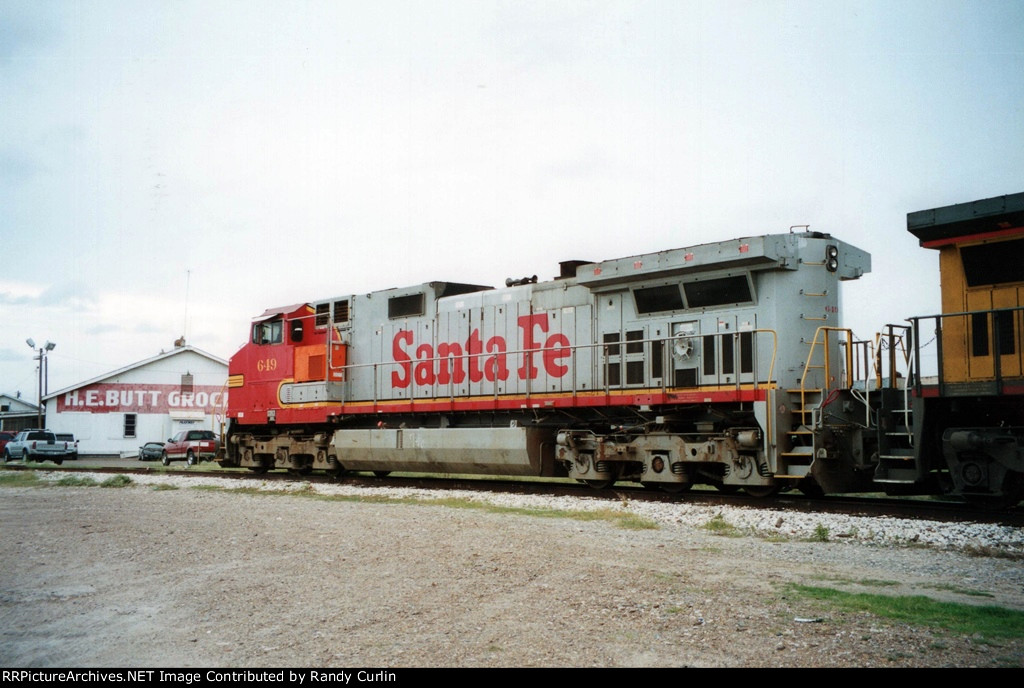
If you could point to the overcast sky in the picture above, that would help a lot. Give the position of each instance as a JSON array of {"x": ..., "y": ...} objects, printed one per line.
[{"x": 177, "y": 167}]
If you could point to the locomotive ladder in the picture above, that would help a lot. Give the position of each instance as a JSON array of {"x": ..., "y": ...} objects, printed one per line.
[
  {"x": 896, "y": 452},
  {"x": 807, "y": 401}
]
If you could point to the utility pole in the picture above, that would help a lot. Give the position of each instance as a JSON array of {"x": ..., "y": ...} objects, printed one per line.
[{"x": 43, "y": 350}]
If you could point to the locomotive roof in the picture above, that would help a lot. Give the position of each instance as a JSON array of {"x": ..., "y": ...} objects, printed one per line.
[
  {"x": 952, "y": 223},
  {"x": 280, "y": 310},
  {"x": 753, "y": 253},
  {"x": 764, "y": 252}
]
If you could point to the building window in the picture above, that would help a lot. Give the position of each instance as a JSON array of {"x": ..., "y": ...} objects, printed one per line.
[
  {"x": 129, "y": 425},
  {"x": 186, "y": 383}
]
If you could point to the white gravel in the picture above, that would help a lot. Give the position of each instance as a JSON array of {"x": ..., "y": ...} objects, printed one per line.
[{"x": 768, "y": 522}]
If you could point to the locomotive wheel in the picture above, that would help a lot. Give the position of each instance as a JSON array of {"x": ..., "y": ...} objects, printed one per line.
[
  {"x": 600, "y": 484},
  {"x": 382, "y": 474},
  {"x": 762, "y": 491},
  {"x": 676, "y": 488},
  {"x": 1013, "y": 492},
  {"x": 304, "y": 470},
  {"x": 727, "y": 489},
  {"x": 257, "y": 469}
]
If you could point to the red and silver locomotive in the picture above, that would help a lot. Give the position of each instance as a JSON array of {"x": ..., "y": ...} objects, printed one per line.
[
  {"x": 723, "y": 364},
  {"x": 710, "y": 364}
]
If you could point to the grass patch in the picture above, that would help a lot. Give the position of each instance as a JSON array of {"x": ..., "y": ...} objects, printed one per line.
[
  {"x": 117, "y": 481},
  {"x": 917, "y": 610},
  {"x": 622, "y": 519},
  {"x": 18, "y": 479},
  {"x": 866, "y": 582},
  {"x": 634, "y": 522},
  {"x": 820, "y": 534},
  {"x": 201, "y": 467},
  {"x": 877, "y": 583},
  {"x": 164, "y": 486},
  {"x": 29, "y": 478},
  {"x": 946, "y": 587},
  {"x": 75, "y": 481},
  {"x": 88, "y": 481},
  {"x": 719, "y": 526}
]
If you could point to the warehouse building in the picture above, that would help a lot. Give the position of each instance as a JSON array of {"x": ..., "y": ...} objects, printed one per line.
[{"x": 149, "y": 401}]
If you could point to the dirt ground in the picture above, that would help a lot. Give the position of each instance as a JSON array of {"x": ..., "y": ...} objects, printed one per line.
[{"x": 140, "y": 577}]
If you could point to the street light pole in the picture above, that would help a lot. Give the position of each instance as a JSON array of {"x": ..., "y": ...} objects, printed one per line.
[{"x": 43, "y": 350}]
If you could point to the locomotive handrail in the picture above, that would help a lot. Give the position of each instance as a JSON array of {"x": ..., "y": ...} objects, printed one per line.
[
  {"x": 997, "y": 340},
  {"x": 863, "y": 358},
  {"x": 822, "y": 333},
  {"x": 891, "y": 340}
]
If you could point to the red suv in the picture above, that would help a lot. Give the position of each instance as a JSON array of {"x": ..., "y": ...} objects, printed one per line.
[
  {"x": 192, "y": 446},
  {"x": 5, "y": 437}
]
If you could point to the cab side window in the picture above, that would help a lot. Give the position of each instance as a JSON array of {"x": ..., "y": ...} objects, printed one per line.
[{"x": 269, "y": 332}]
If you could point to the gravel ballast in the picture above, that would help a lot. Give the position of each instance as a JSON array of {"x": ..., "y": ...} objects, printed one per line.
[{"x": 147, "y": 576}]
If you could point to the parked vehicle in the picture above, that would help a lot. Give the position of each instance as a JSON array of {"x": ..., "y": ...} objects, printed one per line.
[
  {"x": 69, "y": 438},
  {"x": 192, "y": 446},
  {"x": 5, "y": 437},
  {"x": 36, "y": 445},
  {"x": 151, "y": 451}
]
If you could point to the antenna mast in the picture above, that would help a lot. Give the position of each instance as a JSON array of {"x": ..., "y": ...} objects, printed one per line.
[{"x": 184, "y": 328}]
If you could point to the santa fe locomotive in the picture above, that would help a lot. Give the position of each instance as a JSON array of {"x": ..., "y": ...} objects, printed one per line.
[{"x": 722, "y": 364}]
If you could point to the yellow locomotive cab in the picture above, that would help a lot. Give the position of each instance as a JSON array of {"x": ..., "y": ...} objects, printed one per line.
[{"x": 981, "y": 259}]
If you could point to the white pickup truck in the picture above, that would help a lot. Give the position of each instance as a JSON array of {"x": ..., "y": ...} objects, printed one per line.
[{"x": 37, "y": 445}]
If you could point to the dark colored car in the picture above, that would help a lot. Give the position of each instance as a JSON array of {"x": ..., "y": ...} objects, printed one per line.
[{"x": 151, "y": 451}]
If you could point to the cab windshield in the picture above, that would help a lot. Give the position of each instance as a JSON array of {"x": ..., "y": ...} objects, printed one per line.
[{"x": 269, "y": 332}]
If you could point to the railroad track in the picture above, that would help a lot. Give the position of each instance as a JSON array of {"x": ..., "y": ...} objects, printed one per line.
[{"x": 928, "y": 508}]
